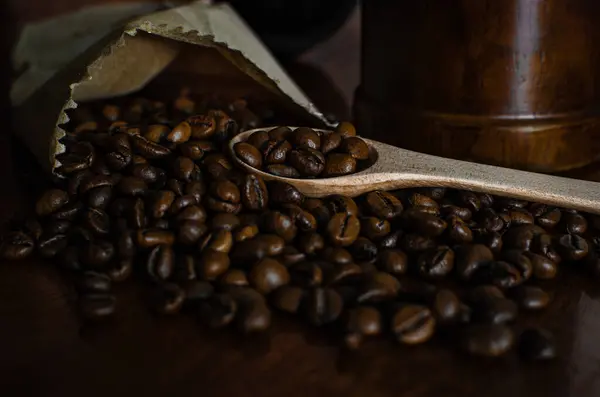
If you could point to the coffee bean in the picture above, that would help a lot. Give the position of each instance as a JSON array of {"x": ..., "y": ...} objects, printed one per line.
[
  {"x": 306, "y": 138},
  {"x": 157, "y": 132},
  {"x": 391, "y": 240},
  {"x": 488, "y": 340},
  {"x": 212, "y": 264},
  {"x": 469, "y": 200},
  {"x": 97, "y": 254},
  {"x": 530, "y": 298},
  {"x": 137, "y": 214},
  {"x": 374, "y": 228},
  {"x": 310, "y": 243},
  {"x": 245, "y": 233},
  {"x": 377, "y": 287},
  {"x": 450, "y": 210},
  {"x": 338, "y": 164},
  {"x": 521, "y": 237},
  {"x": 422, "y": 201},
  {"x": 574, "y": 223},
  {"x": 161, "y": 203},
  {"x": 249, "y": 154},
  {"x": 355, "y": 147},
  {"x": 219, "y": 240},
  {"x": 169, "y": 298},
  {"x": 279, "y": 133},
  {"x": 309, "y": 162},
  {"x": 148, "y": 238},
  {"x": 148, "y": 149},
  {"x": 287, "y": 298},
  {"x": 275, "y": 151},
  {"x": 97, "y": 307},
  {"x": 519, "y": 260},
  {"x": 492, "y": 240},
  {"x": 161, "y": 262},
  {"x": 194, "y": 213},
  {"x": 343, "y": 229},
  {"x": 343, "y": 273},
  {"x": 254, "y": 193},
  {"x": 93, "y": 282},
  {"x": 202, "y": 126},
  {"x": 338, "y": 204},
  {"x": 337, "y": 255},
  {"x": 361, "y": 321},
  {"x": 383, "y": 205},
  {"x": 306, "y": 274},
  {"x": 50, "y": 245},
  {"x": 16, "y": 245},
  {"x": 572, "y": 247},
  {"x": 458, "y": 231},
  {"x": 436, "y": 262},
  {"x": 422, "y": 223},
  {"x": 303, "y": 220},
  {"x": 546, "y": 217},
  {"x": 218, "y": 311},
  {"x": 196, "y": 150},
  {"x": 471, "y": 258},
  {"x": 414, "y": 243},
  {"x": 234, "y": 277},
  {"x": 224, "y": 196},
  {"x": 392, "y": 261},
  {"x": 542, "y": 267},
  {"x": 346, "y": 129},
  {"x": 253, "y": 314},
  {"x": 493, "y": 309},
  {"x": 50, "y": 201},
  {"x": 537, "y": 344},
  {"x": 330, "y": 142},
  {"x": 282, "y": 170},
  {"x": 259, "y": 138},
  {"x": 413, "y": 324},
  {"x": 322, "y": 306},
  {"x": 543, "y": 245},
  {"x": 446, "y": 306},
  {"x": 283, "y": 193},
  {"x": 125, "y": 244},
  {"x": 121, "y": 270},
  {"x": 185, "y": 169},
  {"x": 363, "y": 250}
]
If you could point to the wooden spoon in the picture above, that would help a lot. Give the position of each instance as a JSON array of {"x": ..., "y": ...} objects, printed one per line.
[{"x": 394, "y": 168}]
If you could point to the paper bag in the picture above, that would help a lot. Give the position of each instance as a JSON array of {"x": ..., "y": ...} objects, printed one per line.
[{"x": 204, "y": 46}]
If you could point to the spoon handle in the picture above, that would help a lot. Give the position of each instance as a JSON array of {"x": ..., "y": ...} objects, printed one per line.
[{"x": 427, "y": 170}]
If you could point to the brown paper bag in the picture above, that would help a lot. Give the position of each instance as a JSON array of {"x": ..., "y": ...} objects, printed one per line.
[{"x": 206, "y": 47}]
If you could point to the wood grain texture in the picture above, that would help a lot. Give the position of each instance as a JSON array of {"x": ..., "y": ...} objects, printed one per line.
[{"x": 512, "y": 83}]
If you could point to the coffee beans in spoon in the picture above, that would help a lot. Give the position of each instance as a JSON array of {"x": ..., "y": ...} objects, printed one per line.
[
  {"x": 304, "y": 152},
  {"x": 148, "y": 194}
]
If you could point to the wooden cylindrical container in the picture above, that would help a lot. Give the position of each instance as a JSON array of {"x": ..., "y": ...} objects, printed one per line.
[{"x": 512, "y": 82}]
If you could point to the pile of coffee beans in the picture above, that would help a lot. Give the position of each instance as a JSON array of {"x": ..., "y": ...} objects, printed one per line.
[
  {"x": 305, "y": 152},
  {"x": 149, "y": 194}
]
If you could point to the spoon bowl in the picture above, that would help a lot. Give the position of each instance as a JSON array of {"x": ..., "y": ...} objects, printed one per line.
[{"x": 390, "y": 168}]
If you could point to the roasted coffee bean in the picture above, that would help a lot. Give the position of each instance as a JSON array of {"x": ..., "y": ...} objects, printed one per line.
[
  {"x": 162, "y": 224},
  {"x": 361, "y": 321},
  {"x": 137, "y": 214},
  {"x": 197, "y": 291},
  {"x": 148, "y": 238},
  {"x": 97, "y": 221},
  {"x": 377, "y": 287},
  {"x": 450, "y": 210},
  {"x": 363, "y": 250},
  {"x": 545, "y": 216},
  {"x": 195, "y": 213},
  {"x": 279, "y": 133},
  {"x": 322, "y": 306},
  {"x": 543, "y": 245},
  {"x": 339, "y": 164},
  {"x": 485, "y": 292},
  {"x": 392, "y": 261},
  {"x": 572, "y": 247},
  {"x": 278, "y": 223},
  {"x": 224, "y": 221},
  {"x": 162, "y": 201},
  {"x": 97, "y": 254},
  {"x": 291, "y": 255},
  {"x": 306, "y": 274},
  {"x": 542, "y": 267},
  {"x": 132, "y": 186},
  {"x": 161, "y": 262},
  {"x": 391, "y": 240},
  {"x": 75, "y": 181},
  {"x": 286, "y": 171},
  {"x": 190, "y": 232},
  {"x": 184, "y": 168},
  {"x": 253, "y": 313},
  {"x": 330, "y": 142},
  {"x": 212, "y": 264},
  {"x": 471, "y": 258},
  {"x": 176, "y": 186},
  {"x": 458, "y": 231},
  {"x": 469, "y": 200},
  {"x": 413, "y": 324},
  {"x": 530, "y": 298},
  {"x": 276, "y": 151},
  {"x": 234, "y": 277},
  {"x": 492, "y": 240},
  {"x": 520, "y": 216},
  {"x": 259, "y": 138},
  {"x": 254, "y": 193},
  {"x": 57, "y": 227},
  {"x": 499, "y": 273},
  {"x": 493, "y": 309},
  {"x": 121, "y": 206},
  {"x": 218, "y": 311},
  {"x": 374, "y": 228},
  {"x": 90, "y": 282},
  {"x": 224, "y": 196},
  {"x": 574, "y": 223},
  {"x": 537, "y": 344},
  {"x": 383, "y": 205},
  {"x": 306, "y": 138},
  {"x": 310, "y": 243},
  {"x": 148, "y": 149},
  {"x": 488, "y": 340},
  {"x": 423, "y": 223},
  {"x": 195, "y": 189},
  {"x": 355, "y": 147},
  {"x": 157, "y": 132},
  {"x": 519, "y": 260},
  {"x": 169, "y": 298},
  {"x": 248, "y": 154},
  {"x": 96, "y": 307},
  {"x": 489, "y": 220},
  {"x": 414, "y": 243},
  {"x": 181, "y": 133},
  {"x": 345, "y": 129},
  {"x": 16, "y": 245},
  {"x": 303, "y": 220},
  {"x": 446, "y": 306},
  {"x": 344, "y": 273},
  {"x": 338, "y": 204},
  {"x": 245, "y": 233},
  {"x": 125, "y": 244},
  {"x": 309, "y": 162},
  {"x": 219, "y": 240},
  {"x": 121, "y": 270},
  {"x": 343, "y": 229},
  {"x": 51, "y": 201},
  {"x": 417, "y": 200},
  {"x": 436, "y": 262},
  {"x": 521, "y": 237},
  {"x": 267, "y": 275},
  {"x": 337, "y": 255},
  {"x": 318, "y": 209},
  {"x": 287, "y": 298},
  {"x": 182, "y": 202},
  {"x": 202, "y": 126},
  {"x": 196, "y": 150}
]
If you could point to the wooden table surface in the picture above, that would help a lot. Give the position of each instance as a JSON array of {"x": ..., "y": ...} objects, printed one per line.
[{"x": 46, "y": 351}]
